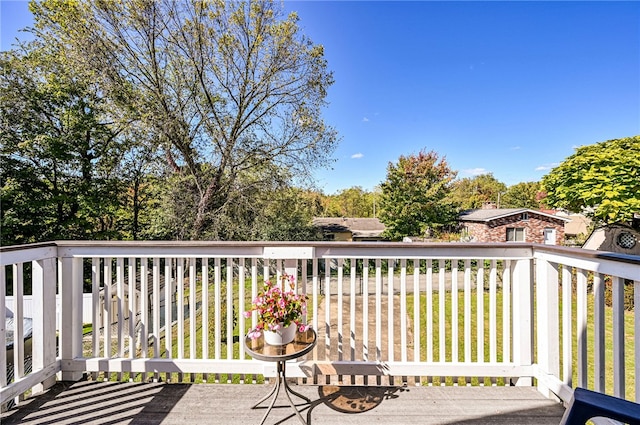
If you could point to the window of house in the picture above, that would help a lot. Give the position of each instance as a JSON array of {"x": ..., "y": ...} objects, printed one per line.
[
  {"x": 525, "y": 216},
  {"x": 515, "y": 234}
]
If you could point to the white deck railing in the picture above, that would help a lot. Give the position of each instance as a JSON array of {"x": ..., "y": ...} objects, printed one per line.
[{"x": 381, "y": 310}]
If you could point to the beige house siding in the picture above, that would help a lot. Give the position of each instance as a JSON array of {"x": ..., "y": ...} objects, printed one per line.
[{"x": 341, "y": 236}]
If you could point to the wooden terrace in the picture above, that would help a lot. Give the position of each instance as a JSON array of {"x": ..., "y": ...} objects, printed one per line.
[{"x": 179, "y": 404}]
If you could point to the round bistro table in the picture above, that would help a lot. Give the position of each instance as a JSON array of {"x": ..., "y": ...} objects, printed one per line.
[{"x": 301, "y": 345}]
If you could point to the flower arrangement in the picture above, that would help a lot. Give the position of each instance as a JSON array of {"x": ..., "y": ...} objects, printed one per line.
[{"x": 278, "y": 308}]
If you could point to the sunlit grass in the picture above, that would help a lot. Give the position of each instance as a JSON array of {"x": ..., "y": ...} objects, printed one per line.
[
  {"x": 629, "y": 340},
  {"x": 629, "y": 349},
  {"x": 461, "y": 342},
  {"x": 238, "y": 335}
]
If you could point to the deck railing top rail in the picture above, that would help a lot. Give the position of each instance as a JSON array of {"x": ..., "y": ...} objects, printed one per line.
[
  {"x": 333, "y": 249},
  {"x": 85, "y": 246}
]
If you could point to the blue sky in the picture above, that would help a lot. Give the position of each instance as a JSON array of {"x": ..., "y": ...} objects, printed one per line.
[{"x": 509, "y": 88}]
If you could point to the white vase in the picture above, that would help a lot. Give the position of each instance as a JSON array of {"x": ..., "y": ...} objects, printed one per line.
[{"x": 282, "y": 336}]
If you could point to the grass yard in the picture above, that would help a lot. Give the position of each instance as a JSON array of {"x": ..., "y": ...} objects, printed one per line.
[
  {"x": 448, "y": 355},
  {"x": 438, "y": 353},
  {"x": 629, "y": 346},
  {"x": 238, "y": 334},
  {"x": 629, "y": 340}
]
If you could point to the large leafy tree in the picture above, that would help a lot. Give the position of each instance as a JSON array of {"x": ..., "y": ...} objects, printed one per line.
[
  {"x": 351, "y": 202},
  {"x": 229, "y": 92},
  {"x": 601, "y": 180},
  {"x": 471, "y": 192},
  {"x": 522, "y": 195},
  {"x": 59, "y": 157},
  {"x": 289, "y": 218},
  {"x": 414, "y": 199},
  {"x": 143, "y": 180}
]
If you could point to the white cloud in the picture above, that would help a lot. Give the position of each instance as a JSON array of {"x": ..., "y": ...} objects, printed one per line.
[
  {"x": 515, "y": 148},
  {"x": 475, "y": 171},
  {"x": 365, "y": 119},
  {"x": 546, "y": 167},
  {"x": 357, "y": 155}
]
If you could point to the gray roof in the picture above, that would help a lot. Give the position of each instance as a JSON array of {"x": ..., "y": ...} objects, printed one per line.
[
  {"x": 357, "y": 226},
  {"x": 493, "y": 214}
]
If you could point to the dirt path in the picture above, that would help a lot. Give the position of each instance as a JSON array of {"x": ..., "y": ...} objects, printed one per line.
[{"x": 349, "y": 344}]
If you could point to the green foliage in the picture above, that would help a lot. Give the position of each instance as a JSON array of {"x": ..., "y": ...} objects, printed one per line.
[
  {"x": 58, "y": 156},
  {"x": 352, "y": 202},
  {"x": 601, "y": 180},
  {"x": 471, "y": 192},
  {"x": 288, "y": 217},
  {"x": 414, "y": 199},
  {"x": 228, "y": 94},
  {"x": 522, "y": 195}
]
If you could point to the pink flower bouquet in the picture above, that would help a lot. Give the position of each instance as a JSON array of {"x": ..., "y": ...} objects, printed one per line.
[{"x": 278, "y": 306}]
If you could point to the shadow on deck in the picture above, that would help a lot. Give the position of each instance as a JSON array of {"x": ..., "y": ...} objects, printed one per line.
[{"x": 159, "y": 403}]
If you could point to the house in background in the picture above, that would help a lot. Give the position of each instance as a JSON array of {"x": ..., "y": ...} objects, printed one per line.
[
  {"x": 575, "y": 230},
  {"x": 350, "y": 229},
  {"x": 513, "y": 225}
]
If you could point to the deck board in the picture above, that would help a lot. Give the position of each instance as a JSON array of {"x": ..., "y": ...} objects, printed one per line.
[{"x": 160, "y": 403}]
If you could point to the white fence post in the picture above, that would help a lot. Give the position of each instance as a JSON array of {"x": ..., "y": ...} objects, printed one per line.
[
  {"x": 522, "y": 317},
  {"x": 547, "y": 322},
  {"x": 71, "y": 326},
  {"x": 618, "y": 338},
  {"x": 44, "y": 318},
  {"x": 3, "y": 331}
]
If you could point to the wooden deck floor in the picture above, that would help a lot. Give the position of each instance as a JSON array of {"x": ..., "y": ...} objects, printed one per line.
[{"x": 159, "y": 403}]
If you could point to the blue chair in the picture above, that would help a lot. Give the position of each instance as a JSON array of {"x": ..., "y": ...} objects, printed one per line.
[{"x": 586, "y": 404}]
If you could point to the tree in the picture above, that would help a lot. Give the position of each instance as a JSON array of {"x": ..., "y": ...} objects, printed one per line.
[
  {"x": 352, "y": 202},
  {"x": 59, "y": 157},
  {"x": 230, "y": 93},
  {"x": 602, "y": 180},
  {"x": 522, "y": 195},
  {"x": 414, "y": 199},
  {"x": 289, "y": 218},
  {"x": 140, "y": 203},
  {"x": 472, "y": 192}
]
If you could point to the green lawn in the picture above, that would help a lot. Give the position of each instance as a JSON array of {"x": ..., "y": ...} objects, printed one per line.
[
  {"x": 448, "y": 326},
  {"x": 629, "y": 341},
  {"x": 238, "y": 334},
  {"x": 629, "y": 350}
]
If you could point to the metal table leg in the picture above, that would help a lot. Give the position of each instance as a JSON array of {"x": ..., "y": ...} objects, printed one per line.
[{"x": 282, "y": 378}]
